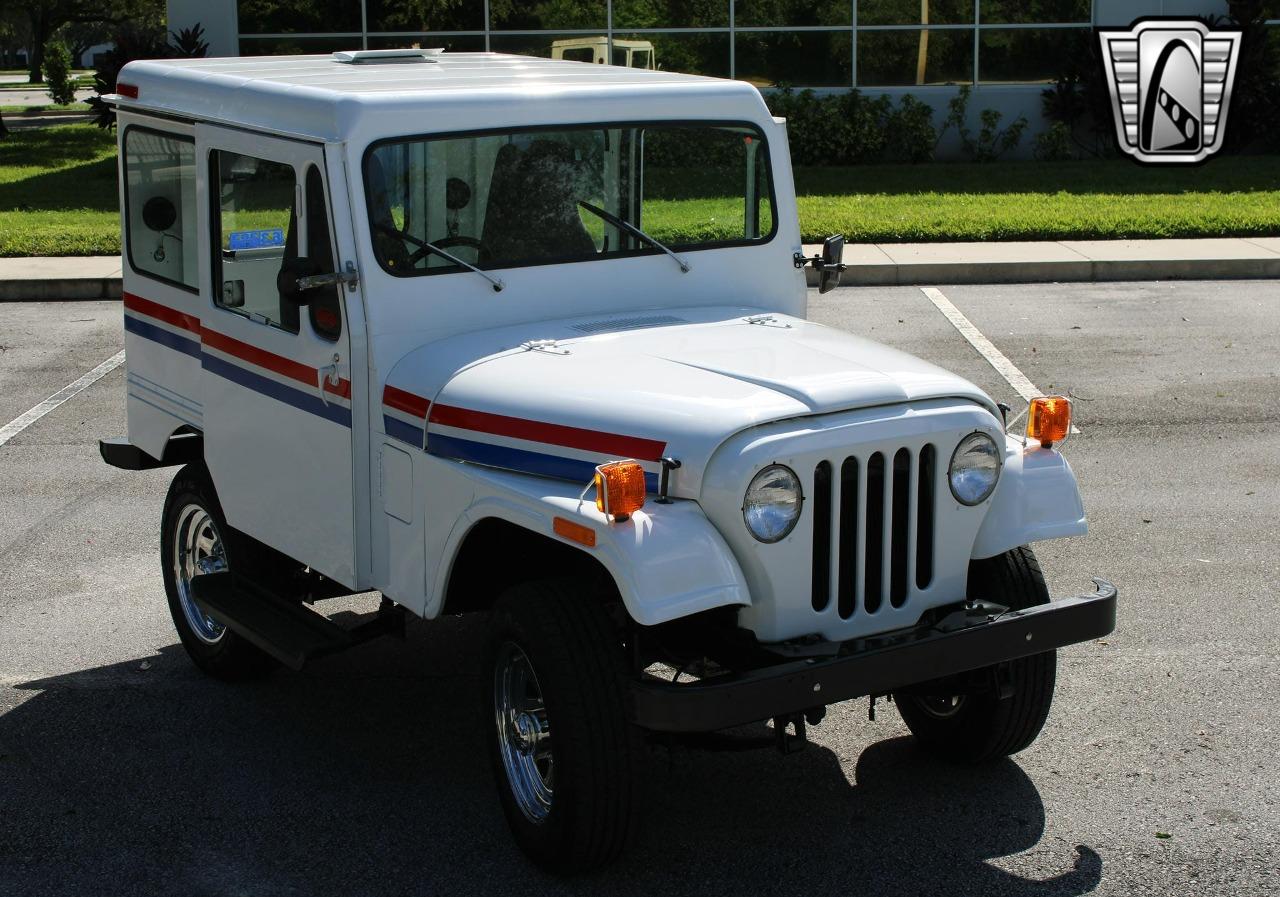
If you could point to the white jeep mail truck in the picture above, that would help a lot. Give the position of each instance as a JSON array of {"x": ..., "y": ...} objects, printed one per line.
[{"x": 527, "y": 337}]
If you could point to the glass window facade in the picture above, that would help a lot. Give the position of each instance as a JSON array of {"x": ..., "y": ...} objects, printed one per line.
[{"x": 797, "y": 43}]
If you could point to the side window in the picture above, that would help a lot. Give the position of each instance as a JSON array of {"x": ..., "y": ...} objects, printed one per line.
[
  {"x": 160, "y": 206},
  {"x": 253, "y": 217}
]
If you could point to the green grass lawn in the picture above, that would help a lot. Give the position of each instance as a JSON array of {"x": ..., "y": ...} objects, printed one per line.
[
  {"x": 58, "y": 192},
  {"x": 48, "y": 107},
  {"x": 1114, "y": 199},
  {"x": 58, "y": 197}
]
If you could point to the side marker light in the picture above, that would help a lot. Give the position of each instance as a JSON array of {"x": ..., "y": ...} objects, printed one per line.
[{"x": 574, "y": 532}]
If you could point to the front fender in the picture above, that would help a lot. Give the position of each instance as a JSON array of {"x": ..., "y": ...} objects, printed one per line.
[
  {"x": 667, "y": 560},
  {"x": 1037, "y": 499}
]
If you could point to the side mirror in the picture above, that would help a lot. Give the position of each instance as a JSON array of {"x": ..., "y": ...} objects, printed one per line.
[
  {"x": 288, "y": 281},
  {"x": 832, "y": 266}
]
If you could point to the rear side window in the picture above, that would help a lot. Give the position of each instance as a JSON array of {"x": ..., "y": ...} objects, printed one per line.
[{"x": 160, "y": 206}]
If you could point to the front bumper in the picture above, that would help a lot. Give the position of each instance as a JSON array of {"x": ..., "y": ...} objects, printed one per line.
[{"x": 966, "y": 640}]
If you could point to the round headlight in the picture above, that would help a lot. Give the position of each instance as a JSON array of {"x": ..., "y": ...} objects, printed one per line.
[
  {"x": 975, "y": 468},
  {"x": 772, "y": 503}
]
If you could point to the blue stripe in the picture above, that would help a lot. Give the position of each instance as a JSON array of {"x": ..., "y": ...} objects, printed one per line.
[
  {"x": 519, "y": 459},
  {"x": 398, "y": 429},
  {"x": 163, "y": 337},
  {"x": 309, "y": 402}
]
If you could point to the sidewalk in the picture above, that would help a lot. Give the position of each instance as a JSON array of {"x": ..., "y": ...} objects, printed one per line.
[
  {"x": 96, "y": 277},
  {"x": 881, "y": 264},
  {"x": 888, "y": 264}
]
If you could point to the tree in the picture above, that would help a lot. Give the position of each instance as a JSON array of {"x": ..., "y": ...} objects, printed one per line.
[
  {"x": 47, "y": 16},
  {"x": 57, "y": 73},
  {"x": 139, "y": 42},
  {"x": 81, "y": 36},
  {"x": 13, "y": 32}
]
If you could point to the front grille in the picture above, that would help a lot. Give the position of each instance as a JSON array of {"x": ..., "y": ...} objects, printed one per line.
[{"x": 873, "y": 526}]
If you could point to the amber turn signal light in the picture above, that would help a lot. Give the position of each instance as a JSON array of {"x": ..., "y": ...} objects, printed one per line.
[
  {"x": 620, "y": 489},
  {"x": 1049, "y": 419}
]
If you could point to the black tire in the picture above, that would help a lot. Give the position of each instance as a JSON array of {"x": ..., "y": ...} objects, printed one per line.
[
  {"x": 977, "y": 728},
  {"x": 578, "y": 665},
  {"x": 190, "y": 509}
]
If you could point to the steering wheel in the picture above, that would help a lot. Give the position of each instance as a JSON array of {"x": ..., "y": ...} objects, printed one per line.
[
  {"x": 423, "y": 249},
  {"x": 446, "y": 243}
]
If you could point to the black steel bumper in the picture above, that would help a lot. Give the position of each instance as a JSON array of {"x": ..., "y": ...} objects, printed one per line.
[{"x": 958, "y": 643}]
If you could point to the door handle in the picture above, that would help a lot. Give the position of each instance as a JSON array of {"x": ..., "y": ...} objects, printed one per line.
[{"x": 330, "y": 374}]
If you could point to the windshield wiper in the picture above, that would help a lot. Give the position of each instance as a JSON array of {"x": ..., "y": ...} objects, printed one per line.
[
  {"x": 634, "y": 231},
  {"x": 444, "y": 254},
  {"x": 495, "y": 281}
]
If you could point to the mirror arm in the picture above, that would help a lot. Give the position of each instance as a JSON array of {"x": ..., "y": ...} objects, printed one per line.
[{"x": 819, "y": 264}]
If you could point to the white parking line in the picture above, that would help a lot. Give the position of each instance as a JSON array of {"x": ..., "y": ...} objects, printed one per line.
[
  {"x": 22, "y": 421},
  {"x": 997, "y": 359}
]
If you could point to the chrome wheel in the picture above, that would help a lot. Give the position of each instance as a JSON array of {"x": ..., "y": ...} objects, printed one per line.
[
  {"x": 524, "y": 735},
  {"x": 941, "y": 706},
  {"x": 197, "y": 549}
]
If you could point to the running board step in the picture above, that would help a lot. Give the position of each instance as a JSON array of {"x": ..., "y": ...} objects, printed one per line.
[{"x": 285, "y": 629}]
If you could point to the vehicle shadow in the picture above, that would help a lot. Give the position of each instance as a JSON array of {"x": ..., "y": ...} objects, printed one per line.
[{"x": 368, "y": 774}]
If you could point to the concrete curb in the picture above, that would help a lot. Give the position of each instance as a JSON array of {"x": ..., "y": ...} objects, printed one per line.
[
  {"x": 1067, "y": 261},
  {"x": 53, "y": 279},
  {"x": 1084, "y": 271},
  {"x": 68, "y": 289}
]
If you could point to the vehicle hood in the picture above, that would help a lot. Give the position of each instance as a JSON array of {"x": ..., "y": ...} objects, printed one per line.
[{"x": 555, "y": 398}]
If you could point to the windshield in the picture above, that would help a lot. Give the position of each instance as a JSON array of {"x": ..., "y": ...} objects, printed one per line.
[{"x": 524, "y": 197}]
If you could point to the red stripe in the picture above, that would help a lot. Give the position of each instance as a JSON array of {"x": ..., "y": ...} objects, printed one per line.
[
  {"x": 404, "y": 401},
  {"x": 271, "y": 361},
  {"x": 242, "y": 350},
  {"x": 160, "y": 312},
  {"x": 554, "y": 434}
]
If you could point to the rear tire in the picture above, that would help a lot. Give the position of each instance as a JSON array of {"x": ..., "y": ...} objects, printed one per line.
[
  {"x": 564, "y": 755},
  {"x": 977, "y": 728},
  {"x": 195, "y": 539}
]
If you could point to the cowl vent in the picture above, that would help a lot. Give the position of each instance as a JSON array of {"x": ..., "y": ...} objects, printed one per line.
[{"x": 626, "y": 323}]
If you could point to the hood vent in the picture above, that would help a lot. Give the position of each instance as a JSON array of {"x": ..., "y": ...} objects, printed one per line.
[{"x": 627, "y": 323}]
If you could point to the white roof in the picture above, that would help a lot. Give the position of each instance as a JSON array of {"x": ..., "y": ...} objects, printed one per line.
[{"x": 322, "y": 98}]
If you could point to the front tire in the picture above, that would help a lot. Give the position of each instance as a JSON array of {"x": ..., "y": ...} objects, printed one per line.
[
  {"x": 564, "y": 755},
  {"x": 195, "y": 539},
  {"x": 980, "y": 727}
]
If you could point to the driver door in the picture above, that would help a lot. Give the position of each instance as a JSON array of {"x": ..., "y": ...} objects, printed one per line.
[{"x": 276, "y": 374}]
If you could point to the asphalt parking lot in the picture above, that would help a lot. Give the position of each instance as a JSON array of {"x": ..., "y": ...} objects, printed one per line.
[{"x": 122, "y": 770}]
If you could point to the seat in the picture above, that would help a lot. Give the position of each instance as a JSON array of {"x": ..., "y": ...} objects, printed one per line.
[{"x": 532, "y": 212}]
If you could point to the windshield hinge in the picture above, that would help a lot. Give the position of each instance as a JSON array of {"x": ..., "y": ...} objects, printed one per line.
[
  {"x": 550, "y": 346},
  {"x": 766, "y": 321}
]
